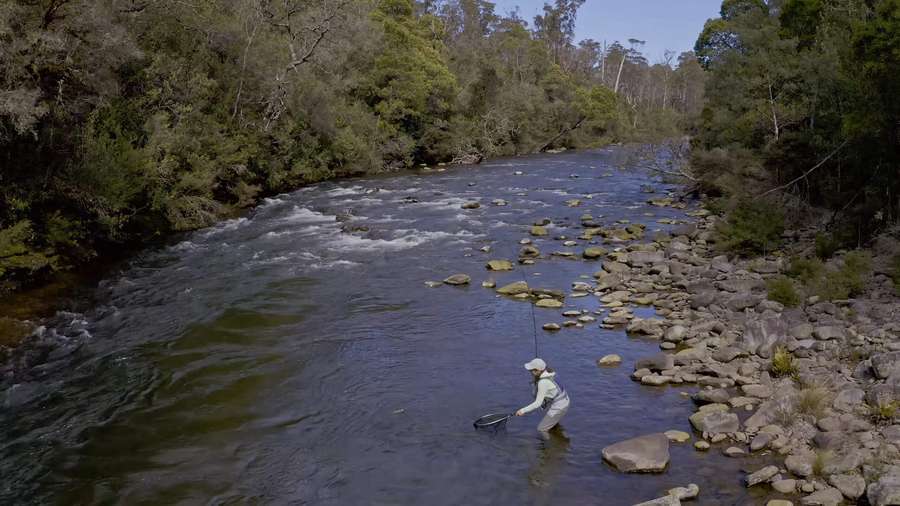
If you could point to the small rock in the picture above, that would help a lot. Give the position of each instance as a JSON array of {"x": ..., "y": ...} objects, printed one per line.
[
  {"x": 677, "y": 436},
  {"x": 594, "y": 252},
  {"x": 801, "y": 464},
  {"x": 471, "y": 205},
  {"x": 761, "y": 441},
  {"x": 701, "y": 445},
  {"x": 489, "y": 283},
  {"x": 519, "y": 287},
  {"x": 549, "y": 303},
  {"x": 551, "y": 326},
  {"x": 538, "y": 231},
  {"x": 785, "y": 486},
  {"x": 499, "y": 265},
  {"x": 779, "y": 502},
  {"x": 734, "y": 451},
  {"x": 685, "y": 493}
]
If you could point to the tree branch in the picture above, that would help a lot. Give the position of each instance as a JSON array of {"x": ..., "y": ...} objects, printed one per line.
[{"x": 803, "y": 176}]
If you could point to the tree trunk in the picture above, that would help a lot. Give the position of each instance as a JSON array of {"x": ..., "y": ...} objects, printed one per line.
[{"x": 619, "y": 75}]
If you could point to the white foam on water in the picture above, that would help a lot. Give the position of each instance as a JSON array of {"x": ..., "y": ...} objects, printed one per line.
[
  {"x": 350, "y": 190},
  {"x": 332, "y": 264},
  {"x": 357, "y": 201},
  {"x": 304, "y": 215},
  {"x": 225, "y": 226}
]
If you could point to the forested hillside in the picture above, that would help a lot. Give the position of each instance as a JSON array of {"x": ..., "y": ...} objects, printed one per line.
[
  {"x": 124, "y": 120},
  {"x": 802, "y": 114}
]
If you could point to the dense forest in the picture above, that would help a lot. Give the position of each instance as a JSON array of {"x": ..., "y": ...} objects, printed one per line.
[
  {"x": 801, "y": 119},
  {"x": 122, "y": 121}
]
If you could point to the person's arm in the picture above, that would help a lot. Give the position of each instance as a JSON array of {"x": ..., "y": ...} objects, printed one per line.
[{"x": 542, "y": 388}]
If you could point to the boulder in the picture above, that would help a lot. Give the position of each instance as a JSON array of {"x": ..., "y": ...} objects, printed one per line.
[
  {"x": 677, "y": 436},
  {"x": 551, "y": 326},
  {"x": 471, "y": 205},
  {"x": 717, "y": 395},
  {"x": 886, "y": 364},
  {"x": 827, "y": 333},
  {"x": 715, "y": 421},
  {"x": 538, "y": 231},
  {"x": 825, "y": 497},
  {"x": 644, "y": 454},
  {"x": 611, "y": 359},
  {"x": 849, "y": 399},
  {"x": 763, "y": 475},
  {"x": 529, "y": 252},
  {"x": 675, "y": 334},
  {"x": 549, "y": 303},
  {"x": 615, "y": 267},
  {"x": 668, "y": 500},
  {"x": 761, "y": 336},
  {"x": 885, "y": 491},
  {"x": 685, "y": 493},
  {"x": 516, "y": 288},
  {"x": 641, "y": 258},
  {"x": 458, "y": 279},
  {"x": 499, "y": 265},
  {"x": 852, "y": 486},
  {"x": 658, "y": 362},
  {"x": 594, "y": 252},
  {"x": 648, "y": 327},
  {"x": 743, "y": 301},
  {"x": 801, "y": 464}
]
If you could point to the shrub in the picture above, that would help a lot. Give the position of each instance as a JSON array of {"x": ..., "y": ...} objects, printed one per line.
[
  {"x": 805, "y": 269},
  {"x": 847, "y": 281},
  {"x": 826, "y": 245},
  {"x": 813, "y": 401},
  {"x": 782, "y": 290},
  {"x": 750, "y": 228},
  {"x": 783, "y": 362},
  {"x": 884, "y": 412}
]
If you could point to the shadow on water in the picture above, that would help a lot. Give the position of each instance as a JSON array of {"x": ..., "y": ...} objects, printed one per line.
[{"x": 278, "y": 359}]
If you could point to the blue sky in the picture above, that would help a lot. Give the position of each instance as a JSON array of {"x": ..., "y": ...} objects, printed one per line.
[{"x": 664, "y": 24}]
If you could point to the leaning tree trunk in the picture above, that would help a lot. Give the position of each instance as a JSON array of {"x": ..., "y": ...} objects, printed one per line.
[{"x": 564, "y": 131}]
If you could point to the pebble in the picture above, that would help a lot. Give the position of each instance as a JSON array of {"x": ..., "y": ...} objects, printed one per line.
[
  {"x": 734, "y": 451},
  {"x": 701, "y": 446},
  {"x": 551, "y": 326},
  {"x": 677, "y": 436}
]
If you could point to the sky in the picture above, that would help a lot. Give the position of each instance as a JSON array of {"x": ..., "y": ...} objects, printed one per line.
[{"x": 664, "y": 24}]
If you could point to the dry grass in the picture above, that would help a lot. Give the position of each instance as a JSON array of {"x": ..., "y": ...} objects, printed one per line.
[
  {"x": 813, "y": 401},
  {"x": 783, "y": 363}
]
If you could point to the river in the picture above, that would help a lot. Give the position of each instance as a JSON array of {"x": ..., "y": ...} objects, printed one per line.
[{"x": 278, "y": 359}]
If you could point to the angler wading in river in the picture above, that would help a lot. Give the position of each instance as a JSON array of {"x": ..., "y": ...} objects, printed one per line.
[{"x": 549, "y": 395}]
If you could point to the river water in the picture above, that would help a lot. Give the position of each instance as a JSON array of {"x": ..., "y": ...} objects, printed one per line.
[{"x": 278, "y": 359}]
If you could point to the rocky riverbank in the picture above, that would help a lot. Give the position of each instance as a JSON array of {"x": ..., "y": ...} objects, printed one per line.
[{"x": 816, "y": 386}]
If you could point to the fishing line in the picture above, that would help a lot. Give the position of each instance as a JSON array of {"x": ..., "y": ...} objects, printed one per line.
[{"x": 531, "y": 305}]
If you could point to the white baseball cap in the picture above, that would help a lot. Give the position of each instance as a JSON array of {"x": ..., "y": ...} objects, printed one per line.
[{"x": 536, "y": 365}]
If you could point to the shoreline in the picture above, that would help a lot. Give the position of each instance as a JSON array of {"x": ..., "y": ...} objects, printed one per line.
[{"x": 829, "y": 418}]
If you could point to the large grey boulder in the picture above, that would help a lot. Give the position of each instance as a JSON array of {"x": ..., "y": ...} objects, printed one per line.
[
  {"x": 640, "y": 258},
  {"x": 644, "y": 454},
  {"x": 658, "y": 362},
  {"x": 761, "y": 336},
  {"x": 715, "y": 419},
  {"x": 853, "y": 486},
  {"x": 827, "y": 333},
  {"x": 743, "y": 301},
  {"x": 885, "y": 491},
  {"x": 849, "y": 399},
  {"x": 885, "y": 364},
  {"x": 825, "y": 497}
]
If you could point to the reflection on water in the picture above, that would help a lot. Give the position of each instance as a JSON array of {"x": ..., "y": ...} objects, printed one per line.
[{"x": 297, "y": 356}]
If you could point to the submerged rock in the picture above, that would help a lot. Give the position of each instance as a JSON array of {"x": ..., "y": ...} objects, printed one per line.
[
  {"x": 499, "y": 265},
  {"x": 611, "y": 359},
  {"x": 516, "y": 288}
]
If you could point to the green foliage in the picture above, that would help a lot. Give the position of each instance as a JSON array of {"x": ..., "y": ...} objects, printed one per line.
[
  {"x": 847, "y": 280},
  {"x": 806, "y": 269},
  {"x": 17, "y": 253},
  {"x": 782, "y": 290},
  {"x": 751, "y": 227},
  {"x": 810, "y": 85},
  {"x": 782, "y": 363}
]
